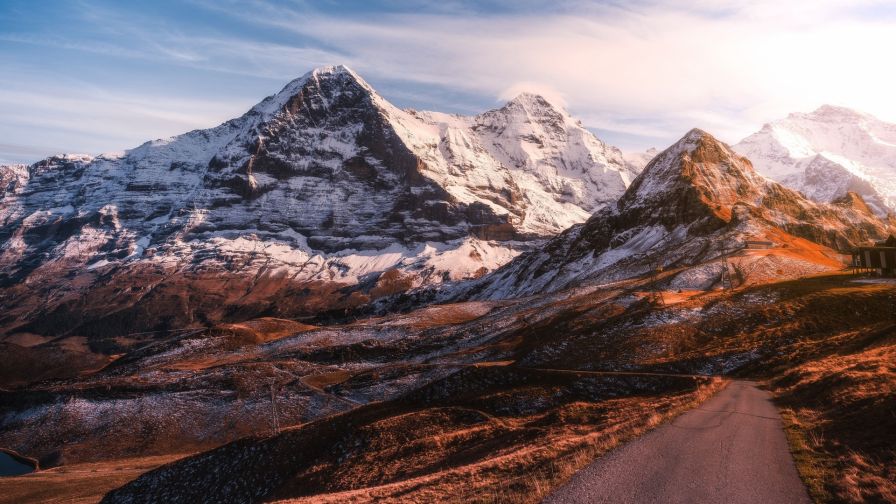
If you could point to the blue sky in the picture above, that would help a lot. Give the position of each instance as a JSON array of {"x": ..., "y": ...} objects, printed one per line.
[{"x": 93, "y": 76}]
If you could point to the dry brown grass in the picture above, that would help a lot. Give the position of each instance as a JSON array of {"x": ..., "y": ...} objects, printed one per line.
[
  {"x": 815, "y": 323},
  {"x": 260, "y": 330},
  {"x": 832, "y": 366},
  {"x": 842, "y": 422},
  {"x": 486, "y": 434},
  {"x": 20, "y": 366},
  {"x": 77, "y": 484},
  {"x": 437, "y": 315},
  {"x": 322, "y": 380},
  {"x": 827, "y": 347},
  {"x": 531, "y": 469},
  {"x": 805, "y": 442},
  {"x": 826, "y": 343},
  {"x": 561, "y": 467}
]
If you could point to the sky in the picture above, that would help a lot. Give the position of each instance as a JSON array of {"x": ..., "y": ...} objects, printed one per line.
[{"x": 95, "y": 76}]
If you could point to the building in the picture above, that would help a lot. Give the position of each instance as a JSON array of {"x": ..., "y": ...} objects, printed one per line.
[{"x": 879, "y": 259}]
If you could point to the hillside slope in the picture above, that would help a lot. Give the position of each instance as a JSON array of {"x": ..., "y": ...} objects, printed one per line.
[
  {"x": 325, "y": 194},
  {"x": 553, "y": 388},
  {"x": 694, "y": 206}
]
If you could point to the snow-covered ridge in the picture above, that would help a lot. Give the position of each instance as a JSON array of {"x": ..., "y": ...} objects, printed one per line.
[
  {"x": 693, "y": 204},
  {"x": 636, "y": 161},
  {"x": 827, "y": 153},
  {"x": 532, "y": 151},
  {"x": 324, "y": 181}
]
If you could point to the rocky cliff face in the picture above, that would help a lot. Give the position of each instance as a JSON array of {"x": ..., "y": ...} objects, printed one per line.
[
  {"x": 305, "y": 200},
  {"x": 530, "y": 158},
  {"x": 694, "y": 203},
  {"x": 827, "y": 153}
]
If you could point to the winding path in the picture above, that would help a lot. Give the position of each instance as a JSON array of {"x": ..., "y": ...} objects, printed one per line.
[{"x": 729, "y": 450}]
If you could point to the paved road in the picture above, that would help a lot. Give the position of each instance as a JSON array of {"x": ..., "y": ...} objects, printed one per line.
[{"x": 730, "y": 450}]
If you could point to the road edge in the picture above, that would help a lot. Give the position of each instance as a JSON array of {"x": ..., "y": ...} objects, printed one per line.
[{"x": 587, "y": 455}]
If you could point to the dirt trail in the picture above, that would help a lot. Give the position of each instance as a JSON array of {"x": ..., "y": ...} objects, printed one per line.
[{"x": 729, "y": 450}]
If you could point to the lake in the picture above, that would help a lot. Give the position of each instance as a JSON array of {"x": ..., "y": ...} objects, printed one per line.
[{"x": 12, "y": 467}]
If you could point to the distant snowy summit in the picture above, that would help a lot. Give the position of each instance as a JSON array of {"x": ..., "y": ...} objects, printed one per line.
[
  {"x": 636, "y": 161},
  {"x": 691, "y": 211},
  {"x": 325, "y": 197},
  {"x": 828, "y": 153},
  {"x": 308, "y": 199}
]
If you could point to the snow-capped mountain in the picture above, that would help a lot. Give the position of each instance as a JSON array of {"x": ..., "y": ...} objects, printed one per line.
[
  {"x": 529, "y": 149},
  {"x": 321, "y": 186},
  {"x": 827, "y": 153},
  {"x": 695, "y": 204},
  {"x": 636, "y": 161}
]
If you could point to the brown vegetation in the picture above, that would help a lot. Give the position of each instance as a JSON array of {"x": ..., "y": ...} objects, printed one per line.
[
  {"x": 22, "y": 365},
  {"x": 497, "y": 424},
  {"x": 525, "y": 471},
  {"x": 842, "y": 417},
  {"x": 492, "y": 433},
  {"x": 827, "y": 347},
  {"x": 826, "y": 344},
  {"x": 259, "y": 330},
  {"x": 77, "y": 484}
]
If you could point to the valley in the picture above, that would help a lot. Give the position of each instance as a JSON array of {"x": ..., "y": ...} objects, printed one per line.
[
  {"x": 502, "y": 403},
  {"x": 332, "y": 299}
]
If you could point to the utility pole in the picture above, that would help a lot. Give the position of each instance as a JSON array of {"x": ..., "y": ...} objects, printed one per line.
[
  {"x": 726, "y": 277},
  {"x": 655, "y": 270},
  {"x": 275, "y": 422}
]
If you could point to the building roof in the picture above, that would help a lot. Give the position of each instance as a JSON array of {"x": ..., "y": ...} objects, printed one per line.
[
  {"x": 873, "y": 247},
  {"x": 889, "y": 242}
]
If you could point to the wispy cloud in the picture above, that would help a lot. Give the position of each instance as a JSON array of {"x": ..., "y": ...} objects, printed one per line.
[
  {"x": 648, "y": 70},
  {"x": 98, "y": 119},
  {"x": 725, "y": 66}
]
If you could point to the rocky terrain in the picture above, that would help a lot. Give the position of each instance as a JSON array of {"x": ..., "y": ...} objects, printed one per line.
[
  {"x": 474, "y": 306},
  {"x": 324, "y": 194},
  {"x": 504, "y": 370},
  {"x": 545, "y": 384},
  {"x": 692, "y": 211},
  {"x": 827, "y": 153}
]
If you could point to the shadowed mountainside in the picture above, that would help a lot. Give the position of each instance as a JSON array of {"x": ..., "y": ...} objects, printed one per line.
[
  {"x": 694, "y": 204},
  {"x": 322, "y": 197}
]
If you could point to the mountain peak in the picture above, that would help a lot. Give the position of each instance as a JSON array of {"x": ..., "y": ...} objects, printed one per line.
[
  {"x": 330, "y": 80},
  {"x": 827, "y": 114},
  {"x": 529, "y": 97},
  {"x": 835, "y": 112},
  {"x": 340, "y": 72},
  {"x": 696, "y": 139},
  {"x": 855, "y": 201},
  {"x": 827, "y": 152},
  {"x": 331, "y": 73},
  {"x": 697, "y": 133},
  {"x": 332, "y": 69},
  {"x": 534, "y": 102},
  {"x": 697, "y": 172}
]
